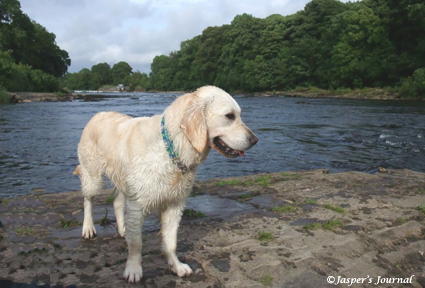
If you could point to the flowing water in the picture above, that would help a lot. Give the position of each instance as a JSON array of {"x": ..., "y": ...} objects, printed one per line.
[{"x": 38, "y": 141}]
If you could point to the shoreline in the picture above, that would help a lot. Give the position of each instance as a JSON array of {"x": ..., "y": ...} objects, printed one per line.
[
  {"x": 369, "y": 94},
  {"x": 286, "y": 229}
]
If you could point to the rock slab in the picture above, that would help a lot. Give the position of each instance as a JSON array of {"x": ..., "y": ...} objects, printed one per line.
[{"x": 292, "y": 229}]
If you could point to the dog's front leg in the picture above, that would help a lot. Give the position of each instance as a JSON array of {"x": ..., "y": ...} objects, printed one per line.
[
  {"x": 170, "y": 219},
  {"x": 134, "y": 220},
  {"x": 119, "y": 203},
  {"x": 89, "y": 231}
]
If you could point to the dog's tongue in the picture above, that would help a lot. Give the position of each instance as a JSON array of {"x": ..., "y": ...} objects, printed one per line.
[{"x": 241, "y": 153}]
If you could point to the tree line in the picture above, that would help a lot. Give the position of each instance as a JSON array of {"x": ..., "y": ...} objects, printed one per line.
[
  {"x": 102, "y": 74},
  {"x": 329, "y": 45},
  {"x": 30, "y": 60}
]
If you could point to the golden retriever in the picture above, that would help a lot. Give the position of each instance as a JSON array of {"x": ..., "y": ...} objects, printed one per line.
[{"x": 152, "y": 162}]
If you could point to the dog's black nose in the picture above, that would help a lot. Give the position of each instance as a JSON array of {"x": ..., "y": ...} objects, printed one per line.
[{"x": 253, "y": 140}]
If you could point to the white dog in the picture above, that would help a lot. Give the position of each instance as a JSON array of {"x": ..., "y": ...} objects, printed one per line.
[{"x": 153, "y": 161}]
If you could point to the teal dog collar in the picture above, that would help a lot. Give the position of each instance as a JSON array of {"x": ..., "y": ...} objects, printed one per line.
[{"x": 169, "y": 146}]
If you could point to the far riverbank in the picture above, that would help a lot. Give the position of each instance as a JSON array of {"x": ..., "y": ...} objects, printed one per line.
[
  {"x": 313, "y": 92},
  {"x": 366, "y": 93}
]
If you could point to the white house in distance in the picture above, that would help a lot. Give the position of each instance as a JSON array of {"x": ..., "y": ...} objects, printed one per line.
[{"x": 121, "y": 87}]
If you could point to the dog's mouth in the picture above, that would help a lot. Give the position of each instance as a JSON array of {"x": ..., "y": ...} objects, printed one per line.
[{"x": 225, "y": 150}]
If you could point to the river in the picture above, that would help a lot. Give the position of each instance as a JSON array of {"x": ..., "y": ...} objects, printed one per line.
[{"x": 38, "y": 141}]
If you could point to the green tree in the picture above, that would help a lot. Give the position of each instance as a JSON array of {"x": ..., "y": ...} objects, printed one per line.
[
  {"x": 405, "y": 24},
  {"x": 242, "y": 41},
  {"x": 47, "y": 56},
  {"x": 6, "y": 63},
  {"x": 138, "y": 81},
  {"x": 30, "y": 42},
  {"x": 329, "y": 44},
  {"x": 78, "y": 81},
  {"x": 414, "y": 86},
  {"x": 161, "y": 74},
  {"x": 100, "y": 75},
  {"x": 119, "y": 71},
  {"x": 364, "y": 54}
]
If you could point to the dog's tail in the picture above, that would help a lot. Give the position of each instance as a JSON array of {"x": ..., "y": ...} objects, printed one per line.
[{"x": 76, "y": 171}]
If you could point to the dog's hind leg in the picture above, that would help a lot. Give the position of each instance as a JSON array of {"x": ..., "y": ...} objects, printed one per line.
[
  {"x": 119, "y": 203},
  {"x": 91, "y": 185},
  {"x": 170, "y": 219},
  {"x": 134, "y": 219}
]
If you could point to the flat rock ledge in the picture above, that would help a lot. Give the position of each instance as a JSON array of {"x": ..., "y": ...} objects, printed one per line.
[
  {"x": 291, "y": 229},
  {"x": 27, "y": 97}
]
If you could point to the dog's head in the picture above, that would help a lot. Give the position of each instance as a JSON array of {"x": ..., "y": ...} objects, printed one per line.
[{"x": 213, "y": 119}]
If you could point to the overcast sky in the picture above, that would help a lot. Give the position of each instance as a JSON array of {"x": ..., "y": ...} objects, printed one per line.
[{"x": 135, "y": 31}]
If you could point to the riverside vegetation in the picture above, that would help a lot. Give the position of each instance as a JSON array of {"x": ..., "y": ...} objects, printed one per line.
[{"x": 329, "y": 45}]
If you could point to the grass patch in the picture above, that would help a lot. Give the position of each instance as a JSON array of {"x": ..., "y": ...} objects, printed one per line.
[
  {"x": 263, "y": 180},
  {"x": 421, "y": 208},
  {"x": 331, "y": 224},
  {"x": 284, "y": 209},
  {"x": 63, "y": 223},
  {"x": 313, "y": 226},
  {"x": 296, "y": 176},
  {"x": 310, "y": 201},
  {"x": 334, "y": 208},
  {"x": 421, "y": 191},
  {"x": 228, "y": 182},
  {"x": 24, "y": 230},
  {"x": 234, "y": 182},
  {"x": 265, "y": 236},
  {"x": 338, "y": 209},
  {"x": 401, "y": 220},
  {"x": 6, "y": 201},
  {"x": 190, "y": 213},
  {"x": 105, "y": 220},
  {"x": 266, "y": 280},
  {"x": 110, "y": 200}
]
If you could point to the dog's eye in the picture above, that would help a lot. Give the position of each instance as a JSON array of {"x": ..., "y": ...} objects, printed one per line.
[{"x": 230, "y": 116}]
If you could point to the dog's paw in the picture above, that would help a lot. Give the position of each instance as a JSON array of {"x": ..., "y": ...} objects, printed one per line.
[
  {"x": 121, "y": 230},
  {"x": 89, "y": 231},
  {"x": 133, "y": 273},
  {"x": 181, "y": 269}
]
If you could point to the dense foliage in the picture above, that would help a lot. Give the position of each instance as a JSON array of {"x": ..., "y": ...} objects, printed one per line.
[
  {"x": 102, "y": 75},
  {"x": 30, "y": 60},
  {"x": 329, "y": 44}
]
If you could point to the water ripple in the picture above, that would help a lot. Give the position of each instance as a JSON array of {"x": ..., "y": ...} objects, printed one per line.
[{"x": 38, "y": 146}]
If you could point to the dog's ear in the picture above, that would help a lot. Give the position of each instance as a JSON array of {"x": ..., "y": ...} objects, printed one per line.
[{"x": 194, "y": 124}]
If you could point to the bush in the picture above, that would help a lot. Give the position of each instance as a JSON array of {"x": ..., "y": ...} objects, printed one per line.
[
  {"x": 43, "y": 82},
  {"x": 4, "y": 96},
  {"x": 24, "y": 79},
  {"x": 414, "y": 86},
  {"x": 20, "y": 79}
]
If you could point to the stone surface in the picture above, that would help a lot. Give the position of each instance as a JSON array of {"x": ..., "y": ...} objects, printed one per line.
[{"x": 348, "y": 225}]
